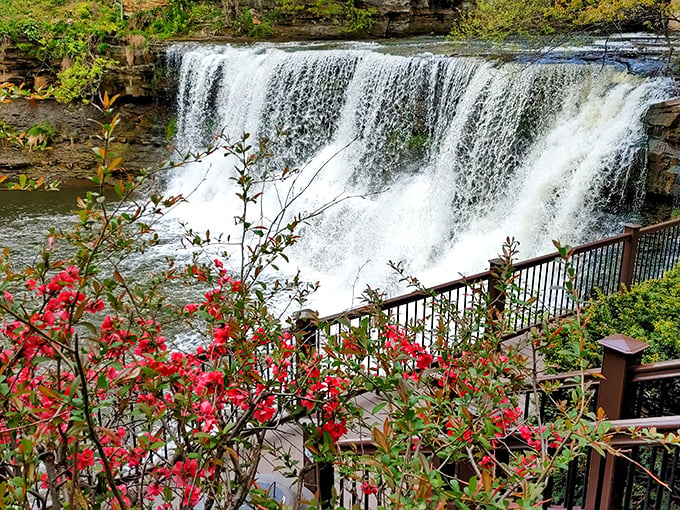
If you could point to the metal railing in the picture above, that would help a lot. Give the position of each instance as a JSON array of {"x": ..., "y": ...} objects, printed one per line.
[{"x": 607, "y": 265}]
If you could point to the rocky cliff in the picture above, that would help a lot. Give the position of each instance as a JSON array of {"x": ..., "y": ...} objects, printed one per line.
[
  {"x": 139, "y": 75},
  {"x": 663, "y": 158},
  {"x": 69, "y": 130},
  {"x": 70, "y": 135},
  {"x": 392, "y": 18}
]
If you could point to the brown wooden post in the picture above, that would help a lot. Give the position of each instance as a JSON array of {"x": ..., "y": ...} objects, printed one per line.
[
  {"x": 630, "y": 248},
  {"x": 319, "y": 476},
  {"x": 621, "y": 353},
  {"x": 496, "y": 305},
  {"x": 305, "y": 324}
]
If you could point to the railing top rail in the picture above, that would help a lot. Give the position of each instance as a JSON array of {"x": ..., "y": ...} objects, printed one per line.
[
  {"x": 410, "y": 298},
  {"x": 653, "y": 371},
  {"x": 350, "y": 443},
  {"x": 660, "y": 226},
  {"x": 601, "y": 243},
  {"x": 660, "y": 423},
  {"x": 589, "y": 375},
  {"x": 354, "y": 313},
  {"x": 621, "y": 428}
]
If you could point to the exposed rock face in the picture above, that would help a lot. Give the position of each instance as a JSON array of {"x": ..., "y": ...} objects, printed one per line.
[
  {"x": 134, "y": 6},
  {"x": 141, "y": 138},
  {"x": 139, "y": 75},
  {"x": 393, "y": 18},
  {"x": 411, "y": 17},
  {"x": 144, "y": 110},
  {"x": 663, "y": 164},
  {"x": 18, "y": 68}
]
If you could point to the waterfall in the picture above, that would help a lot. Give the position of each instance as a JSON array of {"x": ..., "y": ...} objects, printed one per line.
[{"x": 447, "y": 155}]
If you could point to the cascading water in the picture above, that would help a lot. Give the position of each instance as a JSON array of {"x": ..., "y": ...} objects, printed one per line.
[{"x": 449, "y": 154}]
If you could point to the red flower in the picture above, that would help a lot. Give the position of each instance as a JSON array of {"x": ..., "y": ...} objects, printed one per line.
[
  {"x": 265, "y": 409},
  {"x": 185, "y": 471},
  {"x": 153, "y": 490},
  {"x": 335, "y": 430},
  {"x": 95, "y": 306},
  {"x": 191, "y": 496},
  {"x": 368, "y": 488},
  {"x": 85, "y": 459},
  {"x": 209, "y": 382}
]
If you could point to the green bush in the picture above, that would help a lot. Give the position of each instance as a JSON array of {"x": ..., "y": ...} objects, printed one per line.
[
  {"x": 248, "y": 25},
  {"x": 40, "y": 135},
  {"x": 82, "y": 79},
  {"x": 649, "y": 311}
]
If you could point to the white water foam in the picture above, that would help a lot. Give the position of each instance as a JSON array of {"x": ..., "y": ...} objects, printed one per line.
[{"x": 450, "y": 154}]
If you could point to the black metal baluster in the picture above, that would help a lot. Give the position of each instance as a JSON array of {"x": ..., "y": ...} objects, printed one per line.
[
  {"x": 648, "y": 489},
  {"x": 630, "y": 478},
  {"x": 671, "y": 481},
  {"x": 662, "y": 476}
]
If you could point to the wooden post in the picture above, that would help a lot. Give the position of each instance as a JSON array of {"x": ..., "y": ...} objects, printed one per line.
[
  {"x": 496, "y": 305},
  {"x": 630, "y": 248},
  {"x": 319, "y": 476},
  {"x": 304, "y": 323},
  {"x": 621, "y": 354}
]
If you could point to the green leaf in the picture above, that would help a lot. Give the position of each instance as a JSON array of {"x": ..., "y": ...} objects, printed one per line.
[{"x": 379, "y": 407}]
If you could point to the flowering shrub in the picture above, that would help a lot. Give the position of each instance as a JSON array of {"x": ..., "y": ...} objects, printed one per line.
[
  {"x": 99, "y": 407},
  {"x": 102, "y": 408},
  {"x": 451, "y": 425}
]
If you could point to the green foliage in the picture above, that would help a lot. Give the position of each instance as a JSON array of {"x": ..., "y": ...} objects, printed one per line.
[
  {"x": 345, "y": 13},
  {"x": 40, "y": 135},
  {"x": 649, "y": 311},
  {"x": 247, "y": 24},
  {"x": 6, "y": 130},
  {"x": 289, "y": 7},
  {"x": 171, "y": 129},
  {"x": 498, "y": 19},
  {"x": 357, "y": 19},
  {"x": 82, "y": 79},
  {"x": 179, "y": 18}
]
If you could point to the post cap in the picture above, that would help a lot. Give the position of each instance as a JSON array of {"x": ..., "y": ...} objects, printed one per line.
[
  {"x": 306, "y": 314},
  {"x": 623, "y": 344},
  {"x": 632, "y": 226}
]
